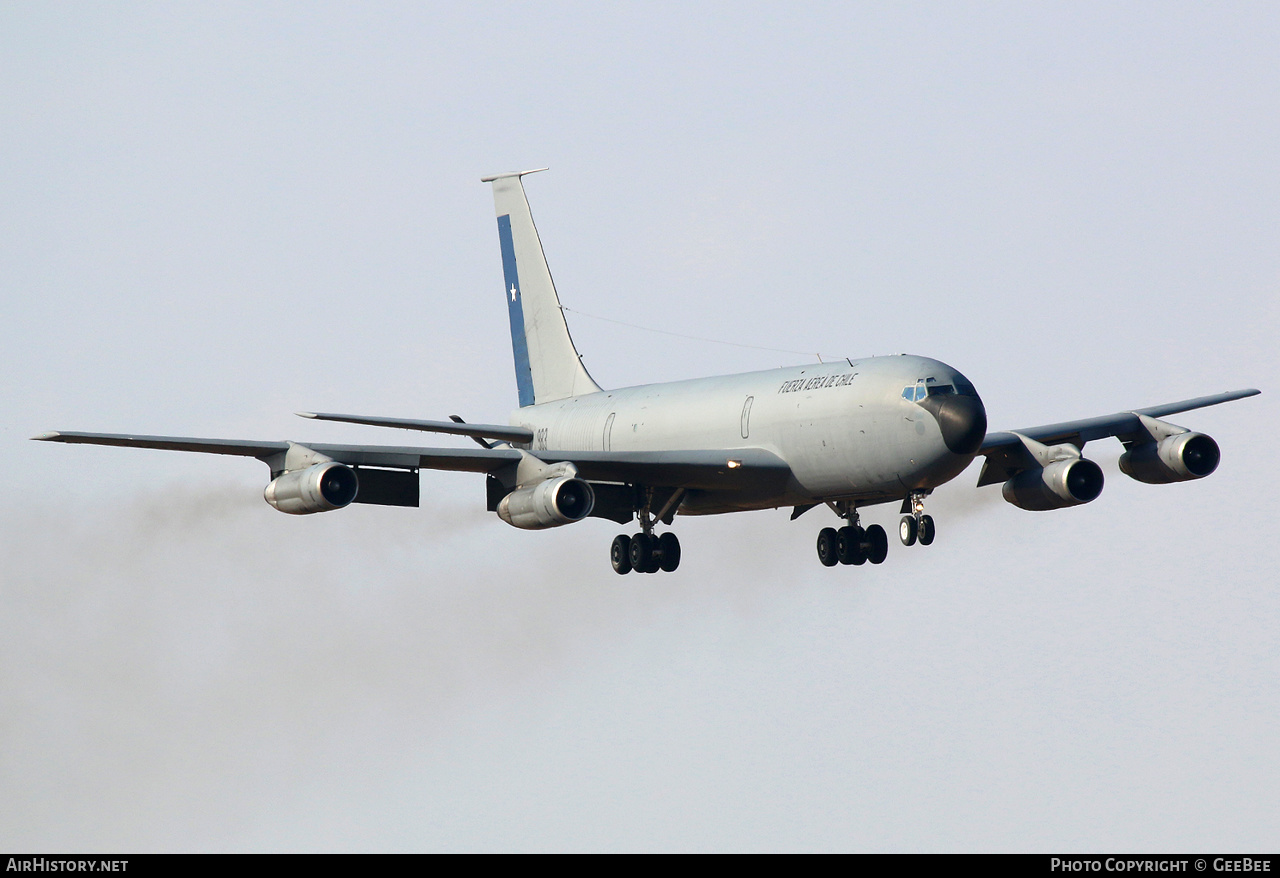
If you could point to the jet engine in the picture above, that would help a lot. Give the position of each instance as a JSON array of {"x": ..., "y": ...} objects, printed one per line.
[
  {"x": 549, "y": 503},
  {"x": 317, "y": 488},
  {"x": 1058, "y": 485},
  {"x": 1175, "y": 458}
]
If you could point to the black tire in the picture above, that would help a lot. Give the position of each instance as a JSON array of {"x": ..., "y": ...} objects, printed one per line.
[
  {"x": 849, "y": 546},
  {"x": 669, "y": 552},
  {"x": 908, "y": 530},
  {"x": 927, "y": 530},
  {"x": 641, "y": 553},
  {"x": 877, "y": 542},
  {"x": 827, "y": 547},
  {"x": 620, "y": 554}
]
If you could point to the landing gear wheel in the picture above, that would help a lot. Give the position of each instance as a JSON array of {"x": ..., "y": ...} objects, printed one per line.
[
  {"x": 927, "y": 530},
  {"x": 640, "y": 553},
  {"x": 849, "y": 548},
  {"x": 908, "y": 530},
  {"x": 669, "y": 552},
  {"x": 877, "y": 544},
  {"x": 827, "y": 547},
  {"x": 620, "y": 554}
]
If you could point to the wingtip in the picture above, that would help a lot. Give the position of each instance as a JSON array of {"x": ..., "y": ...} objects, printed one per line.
[
  {"x": 305, "y": 414},
  {"x": 47, "y": 437}
]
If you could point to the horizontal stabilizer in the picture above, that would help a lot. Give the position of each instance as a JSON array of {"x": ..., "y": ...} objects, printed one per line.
[{"x": 518, "y": 435}]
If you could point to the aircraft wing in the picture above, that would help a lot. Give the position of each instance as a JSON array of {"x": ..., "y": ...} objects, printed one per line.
[
  {"x": 1007, "y": 454},
  {"x": 709, "y": 470},
  {"x": 478, "y": 460}
]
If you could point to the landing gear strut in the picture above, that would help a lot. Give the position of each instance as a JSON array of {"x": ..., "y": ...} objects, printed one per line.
[
  {"x": 644, "y": 552},
  {"x": 916, "y": 525},
  {"x": 851, "y": 544}
]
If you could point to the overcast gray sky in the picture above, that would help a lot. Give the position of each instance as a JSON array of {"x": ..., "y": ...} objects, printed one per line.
[{"x": 214, "y": 215}]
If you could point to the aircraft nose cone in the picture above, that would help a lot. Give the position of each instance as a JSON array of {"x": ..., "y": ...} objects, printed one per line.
[{"x": 963, "y": 420}]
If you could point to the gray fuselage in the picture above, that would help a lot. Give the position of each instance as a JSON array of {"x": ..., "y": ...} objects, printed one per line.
[{"x": 847, "y": 430}]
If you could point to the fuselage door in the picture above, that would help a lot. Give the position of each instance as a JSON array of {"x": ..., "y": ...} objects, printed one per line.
[
  {"x": 608, "y": 432},
  {"x": 746, "y": 417}
]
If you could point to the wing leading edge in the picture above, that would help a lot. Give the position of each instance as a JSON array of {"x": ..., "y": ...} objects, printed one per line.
[{"x": 695, "y": 469}]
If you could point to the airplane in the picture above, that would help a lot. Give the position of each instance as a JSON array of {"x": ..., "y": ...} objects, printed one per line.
[{"x": 846, "y": 435}]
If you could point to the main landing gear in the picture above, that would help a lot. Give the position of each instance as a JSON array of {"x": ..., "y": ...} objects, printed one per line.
[
  {"x": 916, "y": 526},
  {"x": 646, "y": 552},
  {"x": 851, "y": 544}
]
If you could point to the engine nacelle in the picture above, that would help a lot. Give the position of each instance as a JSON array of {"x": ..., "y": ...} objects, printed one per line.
[
  {"x": 317, "y": 488},
  {"x": 1056, "y": 486},
  {"x": 549, "y": 503},
  {"x": 1176, "y": 458}
]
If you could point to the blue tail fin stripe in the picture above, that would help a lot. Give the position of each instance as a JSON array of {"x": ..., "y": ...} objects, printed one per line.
[{"x": 515, "y": 309}]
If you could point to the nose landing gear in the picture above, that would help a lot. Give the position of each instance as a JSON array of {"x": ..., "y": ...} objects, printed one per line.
[{"x": 916, "y": 525}]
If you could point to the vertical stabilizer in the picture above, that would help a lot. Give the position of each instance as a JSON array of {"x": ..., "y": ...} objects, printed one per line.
[{"x": 547, "y": 364}]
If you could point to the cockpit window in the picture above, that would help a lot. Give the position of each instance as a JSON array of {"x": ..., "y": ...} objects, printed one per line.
[
  {"x": 922, "y": 389},
  {"x": 917, "y": 392}
]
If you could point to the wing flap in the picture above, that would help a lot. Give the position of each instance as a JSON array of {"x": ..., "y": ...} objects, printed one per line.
[{"x": 711, "y": 470}]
